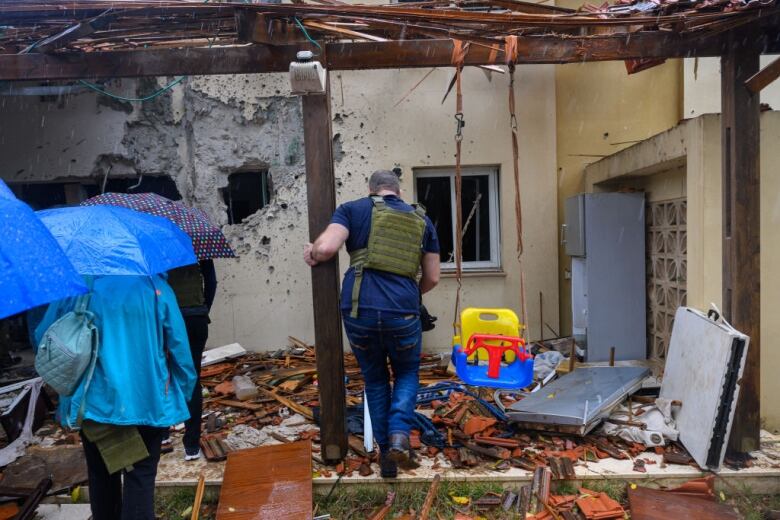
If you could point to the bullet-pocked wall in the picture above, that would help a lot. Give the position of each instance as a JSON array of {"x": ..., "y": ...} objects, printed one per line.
[{"x": 207, "y": 128}]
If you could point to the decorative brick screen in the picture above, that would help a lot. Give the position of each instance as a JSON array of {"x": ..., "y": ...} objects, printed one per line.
[{"x": 666, "y": 271}]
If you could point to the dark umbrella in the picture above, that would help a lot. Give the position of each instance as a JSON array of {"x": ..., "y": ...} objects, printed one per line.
[{"x": 207, "y": 239}]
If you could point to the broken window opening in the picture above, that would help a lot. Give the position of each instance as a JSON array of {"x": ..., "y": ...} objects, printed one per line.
[
  {"x": 162, "y": 185},
  {"x": 57, "y": 193},
  {"x": 435, "y": 189},
  {"x": 246, "y": 193}
]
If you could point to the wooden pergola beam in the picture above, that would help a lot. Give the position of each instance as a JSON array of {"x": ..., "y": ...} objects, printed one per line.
[
  {"x": 321, "y": 198},
  {"x": 761, "y": 79},
  {"x": 740, "y": 123},
  {"x": 257, "y": 58}
]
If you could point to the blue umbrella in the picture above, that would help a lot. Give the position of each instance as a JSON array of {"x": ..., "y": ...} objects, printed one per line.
[
  {"x": 33, "y": 268},
  {"x": 5, "y": 191},
  {"x": 109, "y": 240}
]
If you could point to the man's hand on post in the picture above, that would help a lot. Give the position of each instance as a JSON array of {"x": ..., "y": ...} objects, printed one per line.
[{"x": 307, "y": 255}]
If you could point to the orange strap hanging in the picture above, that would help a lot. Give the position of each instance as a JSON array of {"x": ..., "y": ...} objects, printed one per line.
[
  {"x": 510, "y": 54},
  {"x": 511, "y": 57},
  {"x": 459, "y": 50}
]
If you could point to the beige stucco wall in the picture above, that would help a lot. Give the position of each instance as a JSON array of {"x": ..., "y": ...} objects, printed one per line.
[
  {"x": 419, "y": 133},
  {"x": 702, "y": 86},
  {"x": 697, "y": 142},
  {"x": 600, "y": 110}
]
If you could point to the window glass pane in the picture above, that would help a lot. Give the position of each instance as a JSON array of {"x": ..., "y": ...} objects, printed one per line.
[
  {"x": 475, "y": 204},
  {"x": 434, "y": 193}
]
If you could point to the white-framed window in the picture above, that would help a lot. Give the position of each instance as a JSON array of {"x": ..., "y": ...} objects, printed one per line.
[{"x": 435, "y": 189}]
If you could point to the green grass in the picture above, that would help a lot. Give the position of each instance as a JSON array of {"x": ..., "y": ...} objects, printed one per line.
[
  {"x": 354, "y": 502},
  {"x": 616, "y": 489},
  {"x": 170, "y": 504},
  {"x": 358, "y": 502},
  {"x": 752, "y": 506}
]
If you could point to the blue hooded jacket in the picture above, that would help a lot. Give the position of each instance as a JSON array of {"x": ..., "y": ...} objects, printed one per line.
[{"x": 144, "y": 374}]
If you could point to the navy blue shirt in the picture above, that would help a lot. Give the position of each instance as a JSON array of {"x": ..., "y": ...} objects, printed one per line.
[{"x": 379, "y": 291}]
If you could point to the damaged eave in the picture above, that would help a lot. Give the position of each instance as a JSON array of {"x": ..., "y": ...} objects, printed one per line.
[
  {"x": 660, "y": 152},
  {"x": 258, "y": 58}
]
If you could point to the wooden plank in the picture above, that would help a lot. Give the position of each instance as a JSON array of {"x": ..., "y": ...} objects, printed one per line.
[
  {"x": 321, "y": 196},
  {"x": 254, "y": 407},
  {"x": 522, "y": 7},
  {"x": 652, "y": 504},
  {"x": 249, "y": 59},
  {"x": 154, "y": 62},
  {"x": 199, "y": 491},
  {"x": 267, "y": 482},
  {"x": 761, "y": 79},
  {"x": 740, "y": 123},
  {"x": 343, "y": 31},
  {"x": 73, "y": 33},
  {"x": 430, "y": 498}
]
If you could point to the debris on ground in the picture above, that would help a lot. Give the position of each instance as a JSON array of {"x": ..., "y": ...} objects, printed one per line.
[
  {"x": 259, "y": 399},
  {"x": 271, "y": 400}
]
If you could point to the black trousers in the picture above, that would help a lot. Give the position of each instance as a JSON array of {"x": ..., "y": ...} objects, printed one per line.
[
  {"x": 198, "y": 333},
  {"x": 112, "y": 499}
]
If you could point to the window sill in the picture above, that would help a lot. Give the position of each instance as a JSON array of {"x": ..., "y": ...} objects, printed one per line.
[{"x": 475, "y": 273}]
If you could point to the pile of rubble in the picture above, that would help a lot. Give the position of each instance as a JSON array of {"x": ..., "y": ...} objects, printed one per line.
[{"x": 272, "y": 398}]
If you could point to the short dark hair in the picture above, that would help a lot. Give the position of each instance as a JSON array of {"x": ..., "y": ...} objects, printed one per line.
[{"x": 384, "y": 179}]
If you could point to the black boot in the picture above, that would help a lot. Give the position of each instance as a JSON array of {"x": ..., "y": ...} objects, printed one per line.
[
  {"x": 387, "y": 467},
  {"x": 399, "y": 448}
]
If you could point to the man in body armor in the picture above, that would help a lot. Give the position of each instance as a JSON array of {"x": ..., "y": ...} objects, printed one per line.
[{"x": 389, "y": 243}]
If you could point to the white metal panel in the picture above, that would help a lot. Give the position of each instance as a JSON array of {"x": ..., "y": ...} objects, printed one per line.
[
  {"x": 579, "y": 295},
  {"x": 573, "y": 232},
  {"x": 223, "y": 353},
  {"x": 703, "y": 367}
]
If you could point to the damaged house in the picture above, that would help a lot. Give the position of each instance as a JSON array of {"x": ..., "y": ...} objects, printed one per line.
[
  {"x": 608, "y": 203},
  {"x": 233, "y": 146}
]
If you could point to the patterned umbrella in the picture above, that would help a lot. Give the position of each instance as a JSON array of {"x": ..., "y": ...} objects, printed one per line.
[{"x": 207, "y": 239}]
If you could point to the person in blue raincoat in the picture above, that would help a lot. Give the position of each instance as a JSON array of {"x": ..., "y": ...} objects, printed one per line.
[{"x": 142, "y": 381}]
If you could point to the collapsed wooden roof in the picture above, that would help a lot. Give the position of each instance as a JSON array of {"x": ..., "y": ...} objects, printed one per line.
[
  {"x": 99, "y": 25},
  {"x": 51, "y": 39}
]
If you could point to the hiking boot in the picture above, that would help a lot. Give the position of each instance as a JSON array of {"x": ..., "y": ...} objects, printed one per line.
[
  {"x": 387, "y": 467},
  {"x": 399, "y": 447}
]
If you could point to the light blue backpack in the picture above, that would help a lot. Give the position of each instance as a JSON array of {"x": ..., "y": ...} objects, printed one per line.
[{"x": 68, "y": 351}]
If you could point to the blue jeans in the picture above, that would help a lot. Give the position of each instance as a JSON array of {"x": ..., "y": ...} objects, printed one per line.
[{"x": 374, "y": 340}]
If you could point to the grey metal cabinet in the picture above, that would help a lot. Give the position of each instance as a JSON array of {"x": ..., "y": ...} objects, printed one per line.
[
  {"x": 573, "y": 232},
  {"x": 605, "y": 235}
]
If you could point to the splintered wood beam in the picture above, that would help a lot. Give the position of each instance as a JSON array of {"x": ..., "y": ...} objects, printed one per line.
[
  {"x": 72, "y": 33},
  {"x": 154, "y": 62},
  {"x": 343, "y": 31},
  {"x": 321, "y": 196},
  {"x": 522, "y": 7},
  {"x": 761, "y": 79},
  {"x": 250, "y": 59},
  {"x": 740, "y": 123}
]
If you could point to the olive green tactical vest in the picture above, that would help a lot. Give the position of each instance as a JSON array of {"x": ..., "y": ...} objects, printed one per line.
[
  {"x": 394, "y": 245},
  {"x": 187, "y": 284}
]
